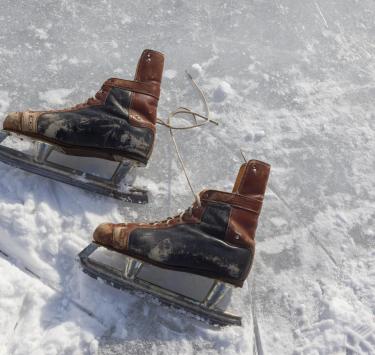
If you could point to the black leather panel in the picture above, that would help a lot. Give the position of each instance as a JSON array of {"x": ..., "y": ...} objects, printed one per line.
[
  {"x": 104, "y": 127},
  {"x": 187, "y": 247},
  {"x": 215, "y": 219},
  {"x": 118, "y": 102}
]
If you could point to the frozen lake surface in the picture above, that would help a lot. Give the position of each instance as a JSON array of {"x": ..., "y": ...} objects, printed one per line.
[{"x": 290, "y": 82}]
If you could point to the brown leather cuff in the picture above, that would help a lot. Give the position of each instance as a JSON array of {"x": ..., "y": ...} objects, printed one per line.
[
  {"x": 146, "y": 88},
  {"x": 243, "y": 202}
]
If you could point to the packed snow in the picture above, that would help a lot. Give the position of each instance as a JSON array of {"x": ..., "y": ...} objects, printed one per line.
[{"x": 290, "y": 83}]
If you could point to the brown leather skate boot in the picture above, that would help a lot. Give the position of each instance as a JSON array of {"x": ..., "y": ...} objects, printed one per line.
[
  {"x": 213, "y": 238},
  {"x": 118, "y": 122}
]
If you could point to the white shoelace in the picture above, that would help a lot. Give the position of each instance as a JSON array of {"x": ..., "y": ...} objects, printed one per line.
[{"x": 183, "y": 110}]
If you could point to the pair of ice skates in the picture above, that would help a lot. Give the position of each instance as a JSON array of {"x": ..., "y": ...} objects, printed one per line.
[{"x": 213, "y": 240}]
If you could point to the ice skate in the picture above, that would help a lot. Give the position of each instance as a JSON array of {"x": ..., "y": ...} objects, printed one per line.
[
  {"x": 117, "y": 124},
  {"x": 211, "y": 245}
]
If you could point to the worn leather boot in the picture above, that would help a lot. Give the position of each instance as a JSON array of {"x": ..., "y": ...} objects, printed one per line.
[
  {"x": 118, "y": 122},
  {"x": 213, "y": 238}
]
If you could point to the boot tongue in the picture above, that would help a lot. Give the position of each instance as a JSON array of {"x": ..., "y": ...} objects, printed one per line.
[
  {"x": 252, "y": 178},
  {"x": 150, "y": 66}
]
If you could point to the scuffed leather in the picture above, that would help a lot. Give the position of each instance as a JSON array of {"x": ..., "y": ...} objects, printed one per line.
[
  {"x": 198, "y": 247},
  {"x": 101, "y": 126},
  {"x": 187, "y": 246}
]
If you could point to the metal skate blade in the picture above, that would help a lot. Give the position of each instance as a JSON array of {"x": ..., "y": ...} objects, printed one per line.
[
  {"x": 68, "y": 169},
  {"x": 98, "y": 167},
  {"x": 175, "y": 288},
  {"x": 189, "y": 285}
]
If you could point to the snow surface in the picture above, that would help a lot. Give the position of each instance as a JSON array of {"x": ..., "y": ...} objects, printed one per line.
[{"x": 291, "y": 83}]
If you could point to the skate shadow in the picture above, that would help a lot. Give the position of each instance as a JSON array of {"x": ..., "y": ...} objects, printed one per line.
[
  {"x": 126, "y": 323},
  {"x": 17, "y": 186}
]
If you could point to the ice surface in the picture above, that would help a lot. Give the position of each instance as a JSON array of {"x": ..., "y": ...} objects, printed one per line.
[{"x": 290, "y": 82}]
